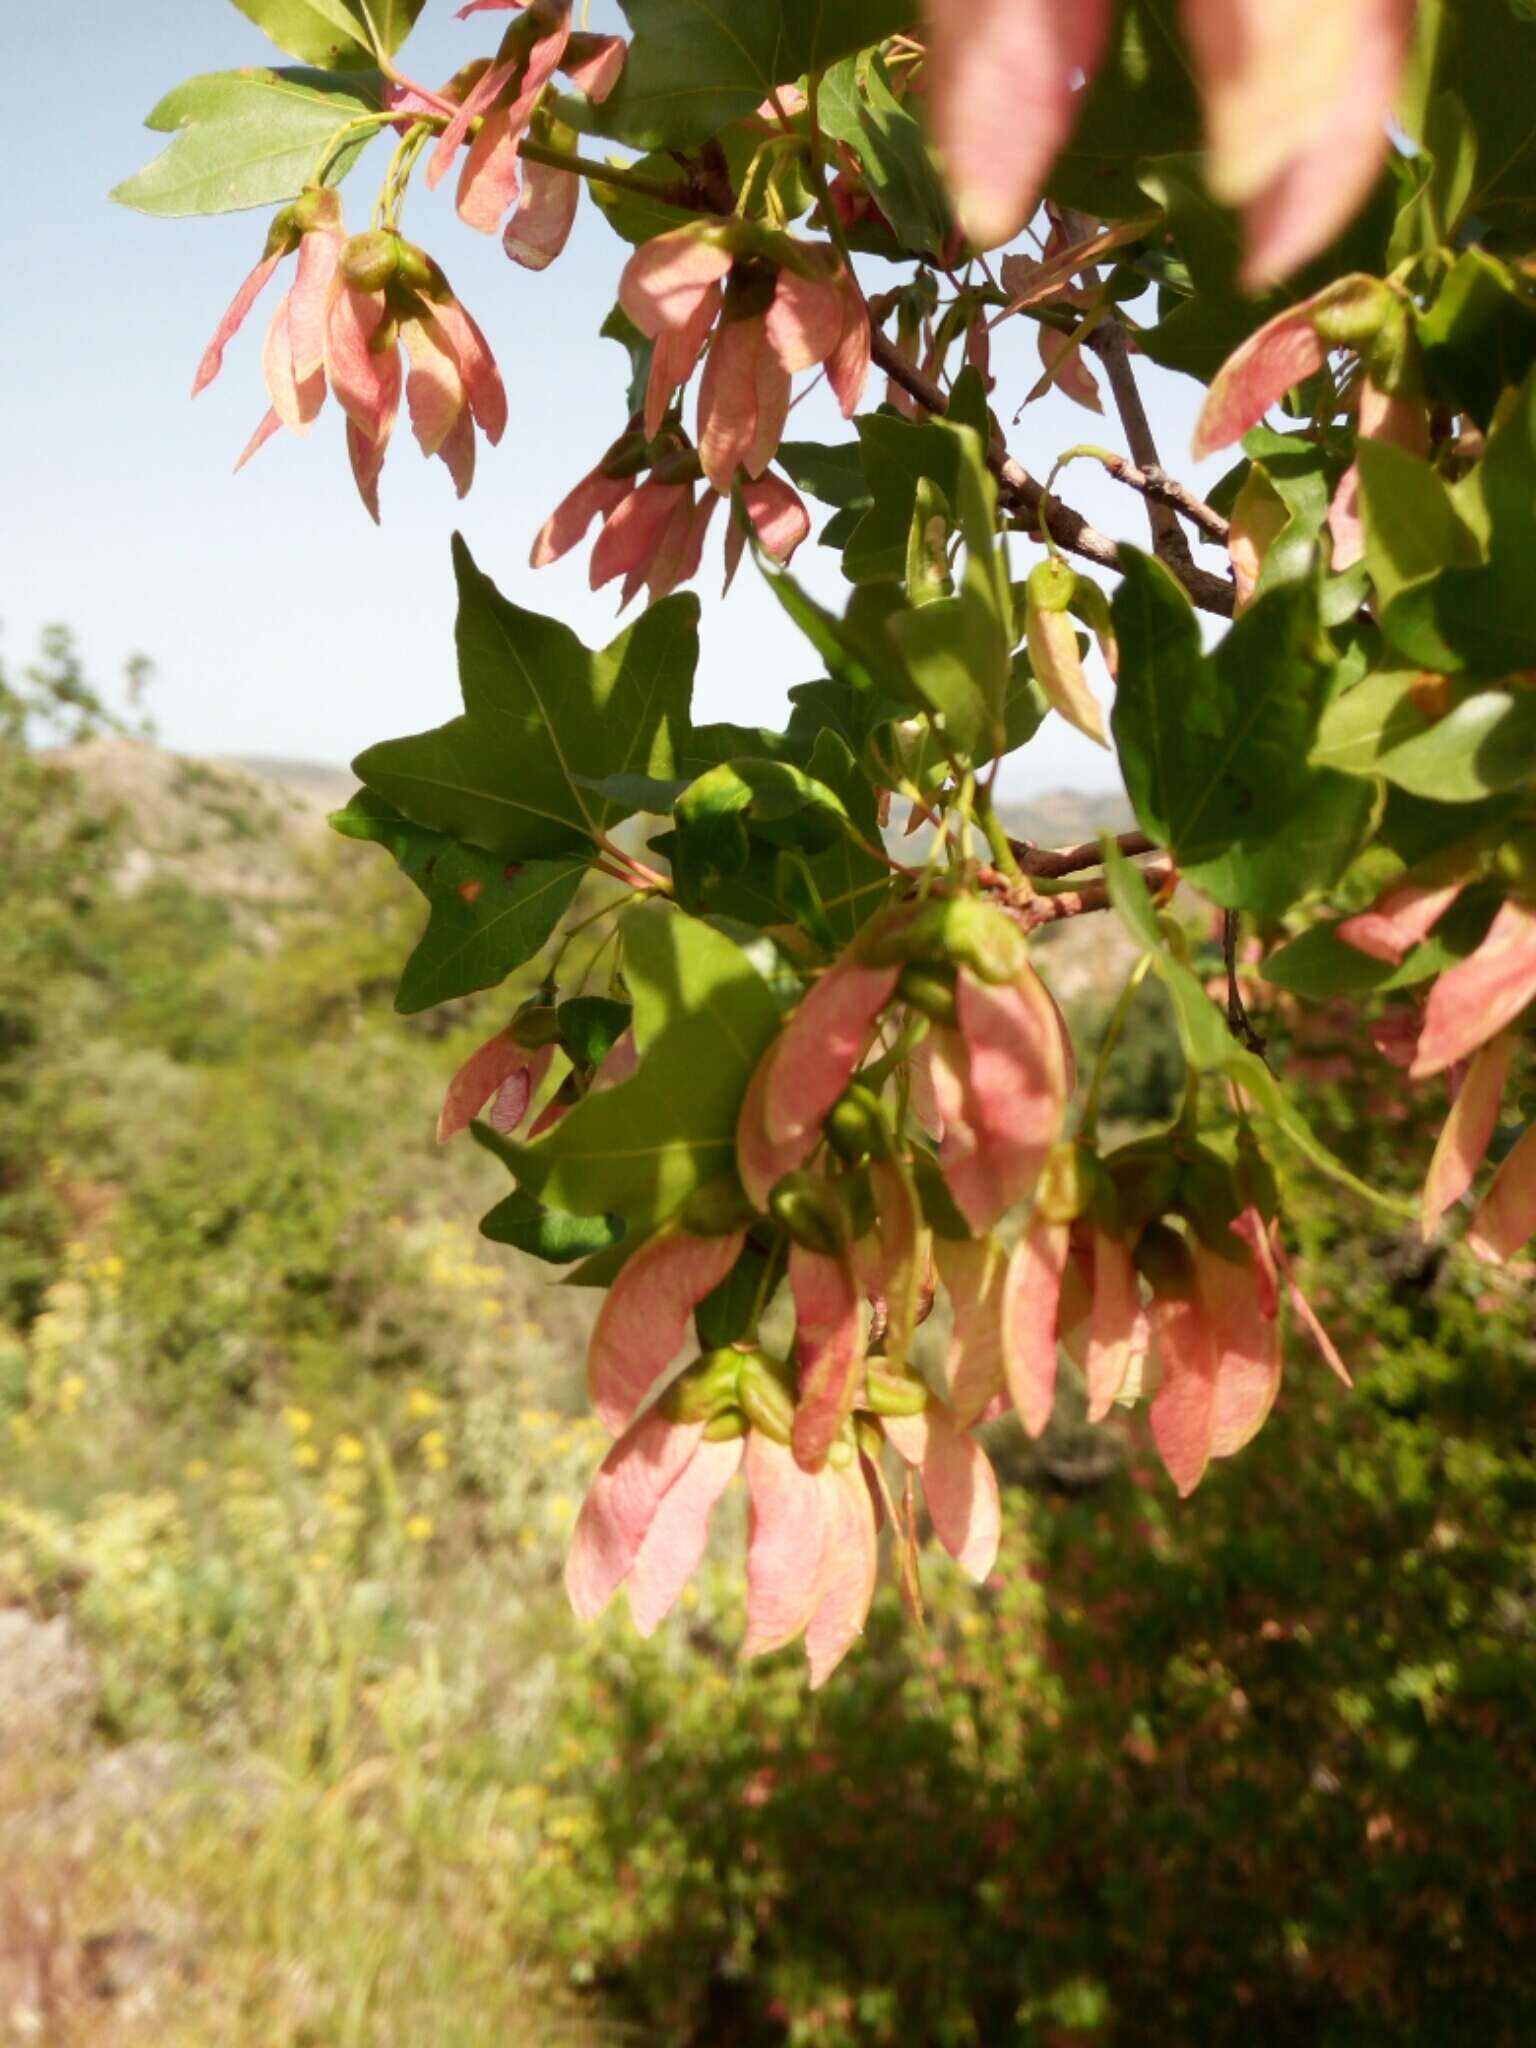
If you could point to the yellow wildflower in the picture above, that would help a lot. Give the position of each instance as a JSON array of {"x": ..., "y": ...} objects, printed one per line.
[
  {"x": 419, "y": 1528},
  {"x": 299, "y": 1420},
  {"x": 420, "y": 1402},
  {"x": 348, "y": 1450}
]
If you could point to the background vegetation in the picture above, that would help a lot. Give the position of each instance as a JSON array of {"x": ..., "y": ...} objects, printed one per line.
[{"x": 295, "y": 1454}]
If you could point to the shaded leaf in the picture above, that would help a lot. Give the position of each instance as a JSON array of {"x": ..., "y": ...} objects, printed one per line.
[
  {"x": 487, "y": 917},
  {"x": 703, "y": 1018},
  {"x": 695, "y": 65},
  {"x": 544, "y": 716}
]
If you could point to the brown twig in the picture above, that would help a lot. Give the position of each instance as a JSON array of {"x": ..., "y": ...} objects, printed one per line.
[
  {"x": 1108, "y": 342},
  {"x": 1039, "y": 910},
  {"x": 1164, "y": 491},
  {"x": 1239, "y": 1023},
  {"x": 1047, "y": 862},
  {"x": 1021, "y": 493}
]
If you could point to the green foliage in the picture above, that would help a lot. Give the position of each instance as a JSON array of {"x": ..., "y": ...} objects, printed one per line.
[
  {"x": 337, "y": 35},
  {"x": 1216, "y": 748},
  {"x": 488, "y": 915},
  {"x": 693, "y": 70},
  {"x": 252, "y": 138},
  {"x": 703, "y": 1017},
  {"x": 543, "y": 718}
]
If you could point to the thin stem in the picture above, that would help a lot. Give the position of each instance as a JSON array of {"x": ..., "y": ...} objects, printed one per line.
[
  {"x": 1239, "y": 1023},
  {"x": 1021, "y": 493},
  {"x": 997, "y": 839},
  {"x": 1107, "y": 1044},
  {"x": 338, "y": 141},
  {"x": 676, "y": 194},
  {"x": 829, "y": 214}
]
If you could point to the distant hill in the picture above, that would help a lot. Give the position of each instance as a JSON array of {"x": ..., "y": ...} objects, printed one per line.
[
  {"x": 231, "y": 828},
  {"x": 240, "y": 829}
]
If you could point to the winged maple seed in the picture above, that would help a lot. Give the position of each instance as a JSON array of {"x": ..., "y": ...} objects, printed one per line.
[
  {"x": 829, "y": 1088},
  {"x": 1296, "y": 100},
  {"x": 354, "y": 303}
]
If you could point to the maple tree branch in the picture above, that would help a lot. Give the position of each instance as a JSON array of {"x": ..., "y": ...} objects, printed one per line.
[
  {"x": 1040, "y": 910},
  {"x": 1021, "y": 493},
  {"x": 679, "y": 193},
  {"x": 1045, "y": 862},
  {"x": 1152, "y": 483},
  {"x": 1109, "y": 344}
]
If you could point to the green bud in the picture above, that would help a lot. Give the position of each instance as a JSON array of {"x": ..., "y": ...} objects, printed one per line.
[
  {"x": 929, "y": 988},
  {"x": 679, "y": 465},
  {"x": 765, "y": 1396},
  {"x": 856, "y": 1126},
  {"x": 1255, "y": 1176},
  {"x": 1515, "y": 862},
  {"x": 369, "y": 261},
  {"x": 536, "y": 1024},
  {"x": 627, "y": 456},
  {"x": 958, "y": 931},
  {"x": 981, "y": 937},
  {"x": 1144, "y": 1179},
  {"x": 812, "y": 1211},
  {"x": 284, "y": 233},
  {"x": 1349, "y": 314},
  {"x": 1067, "y": 1183},
  {"x": 316, "y": 207},
  {"x": 706, "y": 1389},
  {"x": 416, "y": 268},
  {"x": 1208, "y": 1194},
  {"x": 868, "y": 1437},
  {"x": 717, "y": 1208},
  {"x": 1162, "y": 1258},
  {"x": 893, "y": 1393},
  {"x": 725, "y": 1427},
  {"x": 749, "y": 288}
]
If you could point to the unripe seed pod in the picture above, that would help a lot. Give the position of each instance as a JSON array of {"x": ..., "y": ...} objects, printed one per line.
[
  {"x": 1052, "y": 585},
  {"x": 725, "y": 1427},
  {"x": 717, "y": 1208},
  {"x": 677, "y": 466},
  {"x": 868, "y": 1437},
  {"x": 749, "y": 289},
  {"x": 1515, "y": 862},
  {"x": 812, "y": 1211},
  {"x": 842, "y": 1455},
  {"x": 765, "y": 1398},
  {"x": 1145, "y": 1181},
  {"x": 1067, "y": 1182},
  {"x": 1162, "y": 1257},
  {"x": 369, "y": 261},
  {"x": 856, "y": 1126},
  {"x": 627, "y": 457},
  {"x": 706, "y": 1388},
  {"x": 929, "y": 988},
  {"x": 1352, "y": 312},
  {"x": 982, "y": 938},
  {"x": 416, "y": 268},
  {"x": 893, "y": 1393},
  {"x": 1209, "y": 1195},
  {"x": 535, "y": 1025}
]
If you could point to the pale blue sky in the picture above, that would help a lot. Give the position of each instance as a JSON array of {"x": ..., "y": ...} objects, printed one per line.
[{"x": 279, "y": 619}]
